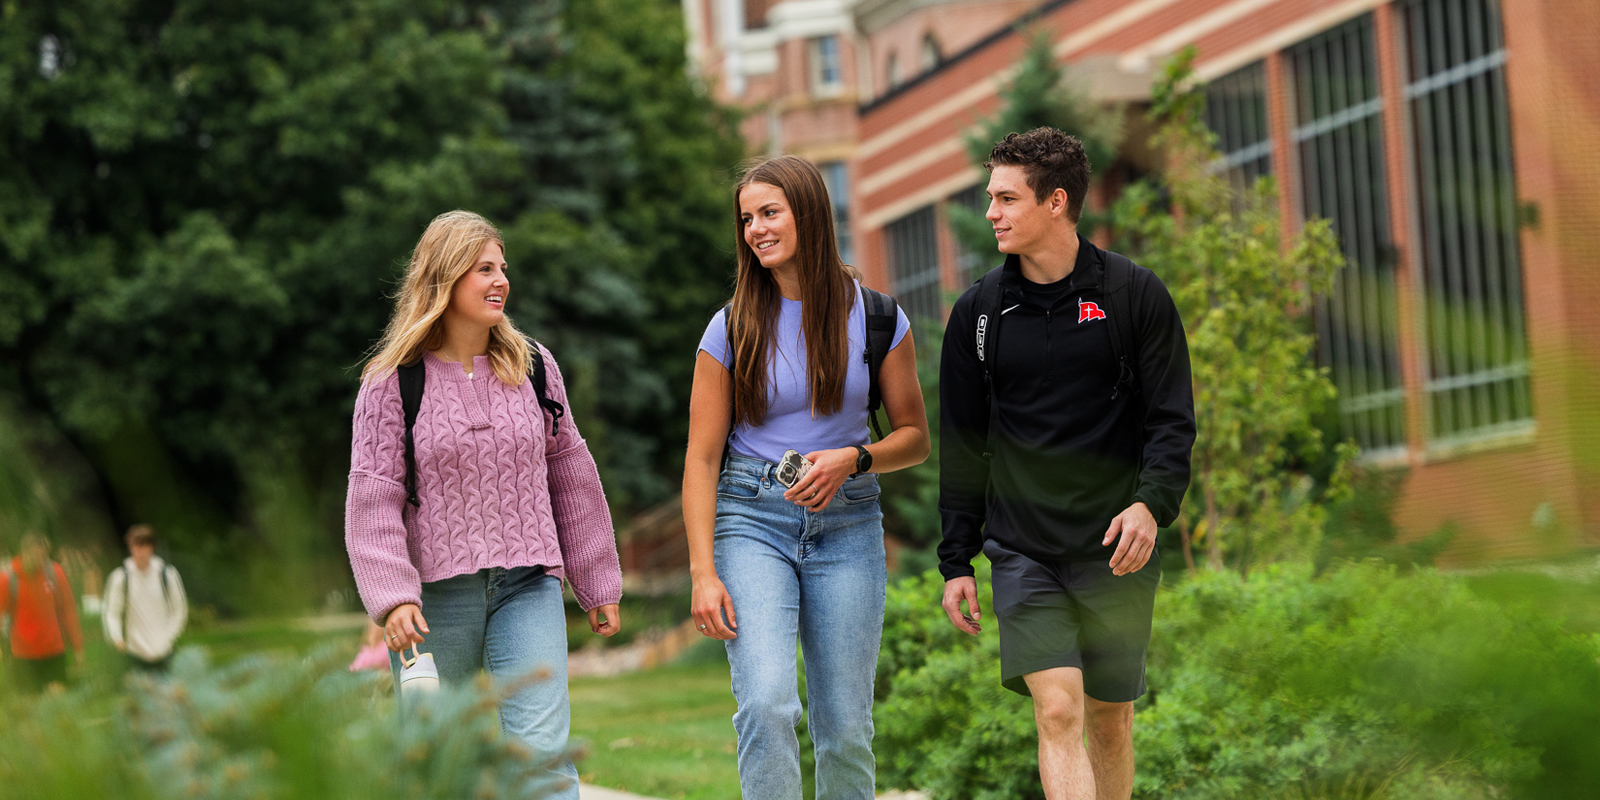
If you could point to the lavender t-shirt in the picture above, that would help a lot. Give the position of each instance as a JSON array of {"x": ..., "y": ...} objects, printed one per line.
[{"x": 789, "y": 423}]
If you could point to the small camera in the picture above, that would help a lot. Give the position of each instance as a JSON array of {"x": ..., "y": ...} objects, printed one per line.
[{"x": 792, "y": 468}]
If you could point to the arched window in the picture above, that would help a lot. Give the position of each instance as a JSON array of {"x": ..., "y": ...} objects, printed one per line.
[{"x": 930, "y": 52}]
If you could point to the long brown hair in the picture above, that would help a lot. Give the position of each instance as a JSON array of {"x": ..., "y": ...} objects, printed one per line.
[
  {"x": 826, "y": 293},
  {"x": 446, "y": 251}
]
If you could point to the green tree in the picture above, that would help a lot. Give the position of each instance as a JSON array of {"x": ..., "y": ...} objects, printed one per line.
[
  {"x": 204, "y": 207},
  {"x": 1244, "y": 296},
  {"x": 1040, "y": 94}
]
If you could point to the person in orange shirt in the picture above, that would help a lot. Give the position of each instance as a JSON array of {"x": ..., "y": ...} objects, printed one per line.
[{"x": 36, "y": 602}]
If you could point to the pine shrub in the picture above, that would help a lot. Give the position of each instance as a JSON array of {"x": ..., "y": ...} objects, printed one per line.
[{"x": 267, "y": 727}]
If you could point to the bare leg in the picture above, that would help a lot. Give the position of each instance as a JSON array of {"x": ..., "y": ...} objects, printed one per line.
[
  {"x": 1110, "y": 728},
  {"x": 1058, "y": 710}
]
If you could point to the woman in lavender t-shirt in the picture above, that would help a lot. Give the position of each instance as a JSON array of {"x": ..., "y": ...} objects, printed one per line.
[{"x": 771, "y": 565}]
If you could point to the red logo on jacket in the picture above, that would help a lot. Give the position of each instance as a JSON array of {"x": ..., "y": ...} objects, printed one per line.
[{"x": 1088, "y": 311}]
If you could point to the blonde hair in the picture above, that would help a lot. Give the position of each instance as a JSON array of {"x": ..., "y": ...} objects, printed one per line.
[{"x": 446, "y": 251}]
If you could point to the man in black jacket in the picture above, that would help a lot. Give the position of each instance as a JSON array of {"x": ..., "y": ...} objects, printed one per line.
[{"x": 1065, "y": 438}]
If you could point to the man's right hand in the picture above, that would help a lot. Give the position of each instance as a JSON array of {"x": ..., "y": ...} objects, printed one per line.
[
  {"x": 404, "y": 627},
  {"x": 957, "y": 591}
]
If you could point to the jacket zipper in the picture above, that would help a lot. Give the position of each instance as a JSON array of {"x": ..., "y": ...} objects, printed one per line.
[{"x": 1049, "y": 363}]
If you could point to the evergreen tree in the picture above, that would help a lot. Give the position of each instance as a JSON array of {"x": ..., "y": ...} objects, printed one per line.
[{"x": 1040, "y": 94}]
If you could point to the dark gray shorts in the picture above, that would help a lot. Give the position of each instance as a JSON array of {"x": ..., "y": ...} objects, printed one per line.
[{"x": 1074, "y": 614}]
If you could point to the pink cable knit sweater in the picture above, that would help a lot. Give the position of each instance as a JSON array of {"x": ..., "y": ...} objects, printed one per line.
[{"x": 497, "y": 490}]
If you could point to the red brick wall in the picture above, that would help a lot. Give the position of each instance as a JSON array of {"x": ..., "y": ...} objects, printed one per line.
[{"x": 1554, "y": 87}]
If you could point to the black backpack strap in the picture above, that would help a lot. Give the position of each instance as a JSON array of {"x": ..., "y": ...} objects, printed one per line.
[
  {"x": 987, "y": 338},
  {"x": 1120, "y": 287},
  {"x": 412, "y": 377},
  {"x": 541, "y": 389},
  {"x": 882, "y": 314}
]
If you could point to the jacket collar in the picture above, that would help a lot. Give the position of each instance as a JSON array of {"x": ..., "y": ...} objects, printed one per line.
[
  {"x": 1088, "y": 271},
  {"x": 156, "y": 565}
]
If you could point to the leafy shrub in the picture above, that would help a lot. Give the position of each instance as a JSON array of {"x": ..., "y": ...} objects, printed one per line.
[
  {"x": 1361, "y": 525},
  {"x": 1364, "y": 683},
  {"x": 1360, "y": 683},
  {"x": 264, "y": 727},
  {"x": 944, "y": 724}
]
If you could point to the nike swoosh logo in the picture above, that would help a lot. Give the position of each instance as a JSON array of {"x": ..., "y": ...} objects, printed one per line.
[{"x": 1011, "y": 309}]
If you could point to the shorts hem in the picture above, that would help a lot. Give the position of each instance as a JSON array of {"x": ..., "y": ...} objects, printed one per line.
[{"x": 1015, "y": 678}]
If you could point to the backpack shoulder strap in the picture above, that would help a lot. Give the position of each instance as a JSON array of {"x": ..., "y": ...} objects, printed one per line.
[
  {"x": 412, "y": 379},
  {"x": 1120, "y": 286},
  {"x": 882, "y": 315},
  {"x": 986, "y": 337},
  {"x": 541, "y": 388}
]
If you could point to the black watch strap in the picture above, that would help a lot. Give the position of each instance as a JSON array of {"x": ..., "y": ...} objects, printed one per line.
[{"x": 863, "y": 460}]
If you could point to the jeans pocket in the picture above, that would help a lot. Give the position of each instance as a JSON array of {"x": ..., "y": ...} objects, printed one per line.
[
  {"x": 860, "y": 489},
  {"x": 736, "y": 489}
]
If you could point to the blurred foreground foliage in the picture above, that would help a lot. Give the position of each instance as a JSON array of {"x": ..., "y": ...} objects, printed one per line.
[
  {"x": 204, "y": 207},
  {"x": 263, "y": 728},
  {"x": 1360, "y": 684}
]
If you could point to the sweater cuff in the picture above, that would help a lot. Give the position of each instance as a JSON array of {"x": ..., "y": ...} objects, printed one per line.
[
  {"x": 375, "y": 537},
  {"x": 583, "y": 529}
]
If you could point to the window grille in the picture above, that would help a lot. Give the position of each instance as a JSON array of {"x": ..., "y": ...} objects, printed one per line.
[
  {"x": 914, "y": 255},
  {"x": 1477, "y": 352},
  {"x": 837, "y": 176},
  {"x": 1338, "y": 134},
  {"x": 1236, "y": 111}
]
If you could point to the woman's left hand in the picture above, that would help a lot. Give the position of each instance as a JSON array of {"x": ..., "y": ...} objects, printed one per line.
[
  {"x": 612, "y": 623},
  {"x": 829, "y": 470}
]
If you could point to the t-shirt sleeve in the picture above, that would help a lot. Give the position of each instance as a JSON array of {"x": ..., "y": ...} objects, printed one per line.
[
  {"x": 715, "y": 339},
  {"x": 902, "y": 326}
]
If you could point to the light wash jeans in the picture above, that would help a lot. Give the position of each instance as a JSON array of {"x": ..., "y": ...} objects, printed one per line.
[
  {"x": 818, "y": 577},
  {"x": 509, "y": 622}
]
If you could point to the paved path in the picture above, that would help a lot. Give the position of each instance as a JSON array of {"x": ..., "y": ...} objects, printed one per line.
[{"x": 587, "y": 792}]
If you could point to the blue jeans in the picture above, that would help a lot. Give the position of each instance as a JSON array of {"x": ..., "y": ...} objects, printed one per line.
[
  {"x": 818, "y": 577},
  {"x": 509, "y": 622}
]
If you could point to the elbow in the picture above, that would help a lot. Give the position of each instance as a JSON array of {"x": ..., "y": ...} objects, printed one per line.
[{"x": 923, "y": 447}]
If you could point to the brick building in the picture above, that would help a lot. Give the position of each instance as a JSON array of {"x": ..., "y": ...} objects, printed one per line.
[{"x": 1451, "y": 143}]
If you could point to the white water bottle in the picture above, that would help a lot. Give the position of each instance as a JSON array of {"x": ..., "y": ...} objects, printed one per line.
[{"x": 418, "y": 674}]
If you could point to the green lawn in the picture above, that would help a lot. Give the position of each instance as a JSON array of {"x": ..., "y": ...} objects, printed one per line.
[{"x": 664, "y": 733}]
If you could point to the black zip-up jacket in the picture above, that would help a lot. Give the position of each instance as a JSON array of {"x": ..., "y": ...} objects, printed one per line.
[{"x": 1068, "y": 456}]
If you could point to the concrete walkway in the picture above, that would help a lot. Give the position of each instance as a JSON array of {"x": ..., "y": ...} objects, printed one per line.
[{"x": 587, "y": 792}]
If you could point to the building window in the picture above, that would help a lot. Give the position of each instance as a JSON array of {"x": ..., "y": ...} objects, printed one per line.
[
  {"x": 837, "y": 175},
  {"x": 755, "y": 14},
  {"x": 892, "y": 71},
  {"x": 914, "y": 256},
  {"x": 1236, "y": 111},
  {"x": 1477, "y": 352},
  {"x": 971, "y": 264},
  {"x": 825, "y": 72},
  {"x": 931, "y": 57},
  {"x": 1338, "y": 135}
]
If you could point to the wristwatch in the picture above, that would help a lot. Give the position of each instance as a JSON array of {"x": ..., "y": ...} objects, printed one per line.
[{"x": 863, "y": 461}]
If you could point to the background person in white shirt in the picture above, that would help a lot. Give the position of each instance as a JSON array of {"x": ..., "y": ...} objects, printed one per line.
[{"x": 145, "y": 605}]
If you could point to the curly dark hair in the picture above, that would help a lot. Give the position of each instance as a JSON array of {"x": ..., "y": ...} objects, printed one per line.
[{"x": 1051, "y": 160}]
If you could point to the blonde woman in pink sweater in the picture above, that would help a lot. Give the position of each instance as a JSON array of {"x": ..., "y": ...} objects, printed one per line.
[{"x": 503, "y": 502}]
